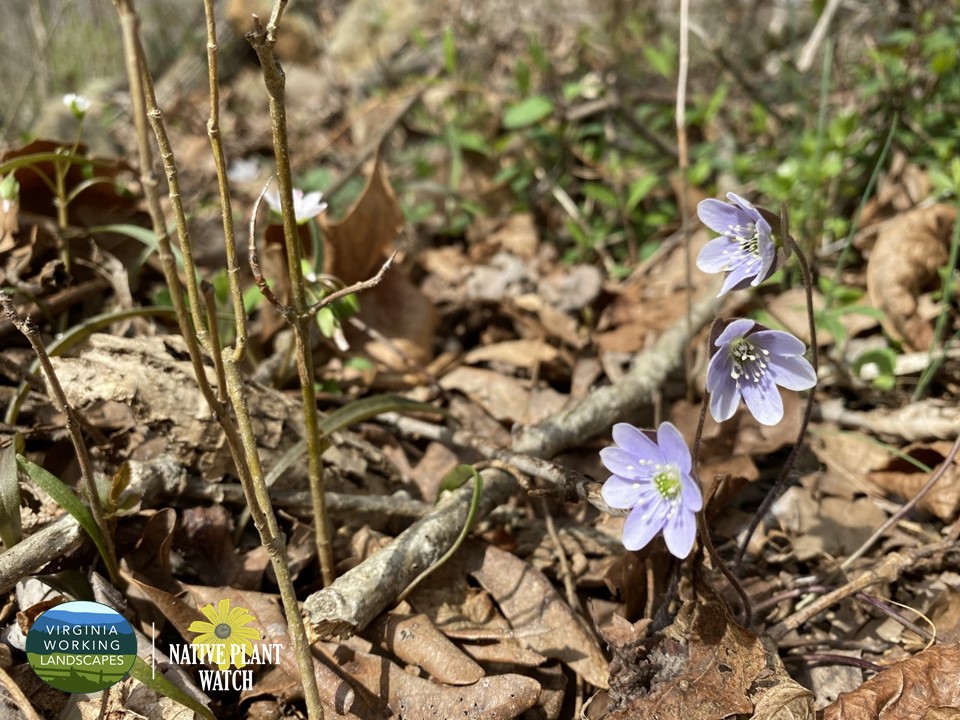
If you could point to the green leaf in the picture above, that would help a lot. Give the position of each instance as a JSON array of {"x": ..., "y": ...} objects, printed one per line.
[
  {"x": 527, "y": 112},
  {"x": 326, "y": 321},
  {"x": 884, "y": 358},
  {"x": 66, "y": 498},
  {"x": 144, "y": 673},
  {"x": 456, "y": 478},
  {"x": 602, "y": 194},
  {"x": 639, "y": 189},
  {"x": 11, "y": 531},
  {"x": 370, "y": 407}
]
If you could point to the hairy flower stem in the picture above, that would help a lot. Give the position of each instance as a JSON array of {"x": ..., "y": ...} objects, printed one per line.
[
  {"x": 263, "y": 40},
  {"x": 780, "y": 485},
  {"x": 702, "y": 521}
]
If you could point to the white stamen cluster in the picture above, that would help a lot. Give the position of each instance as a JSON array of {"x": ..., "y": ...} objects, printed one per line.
[{"x": 748, "y": 361}]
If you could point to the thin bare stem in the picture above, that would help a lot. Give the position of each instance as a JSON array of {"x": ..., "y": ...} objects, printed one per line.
[
  {"x": 242, "y": 450},
  {"x": 155, "y": 116},
  {"x": 32, "y": 335},
  {"x": 351, "y": 289},
  {"x": 263, "y": 41},
  {"x": 216, "y": 349},
  {"x": 907, "y": 507},
  {"x": 784, "y": 477},
  {"x": 219, "y": 158},
  {"x": 258, "y": 277}
]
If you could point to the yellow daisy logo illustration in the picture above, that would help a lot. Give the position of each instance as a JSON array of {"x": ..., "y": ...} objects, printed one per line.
[{"x": 224, "y": 640}]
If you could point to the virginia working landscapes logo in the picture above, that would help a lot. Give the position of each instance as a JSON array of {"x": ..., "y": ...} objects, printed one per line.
[
  {"x": 225, "y": 641},
  {"x": 81, "y": 647}
]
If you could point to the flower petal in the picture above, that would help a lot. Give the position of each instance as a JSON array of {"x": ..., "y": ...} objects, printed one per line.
[
  {"x": 717, "y": 255},
  {"x": 273, "y": 199},
  {"x": 719, "y": 370},
  {"x": 738, "y": 278},
  {"x": 625, "y": 464},
  {"x": 734, "y": 331},
  {"x": 673, "y": 446},
  {"x": 720, "y": 216},
  {"x": 636, "y": 443},
  {"x": 763, "y": 400},
  {"x": 641, "y": 527},
  {"x": 680, "y": 532},
  {"x": 690, "y": 493},
  {"x": 199, "y": 626},
  {"x": 619, "y": 492},
  {"x": 778, "y": 342},
  {"x": 793, "y": 373},
  {"x": 737, "y": 200}
]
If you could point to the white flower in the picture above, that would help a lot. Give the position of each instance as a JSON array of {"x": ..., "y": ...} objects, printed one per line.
[
  {"x": 78, "y": 104},
  {"x": 304, "y": 206}
]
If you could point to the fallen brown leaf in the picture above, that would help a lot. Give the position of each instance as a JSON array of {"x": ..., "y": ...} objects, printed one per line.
[
  {"x": 539, "y": 616},
  {"x": 904, "y": 263},
  {"x": 898, "y": 477},
  {"x": 928, "y": 681}
]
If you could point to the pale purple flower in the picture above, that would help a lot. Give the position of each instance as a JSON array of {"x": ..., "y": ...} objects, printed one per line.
[
  {"x": 655, "y": 481},
  {"x": 745, "y": 249},
  {"x": 750, "y": 362},
  {"x": 305, "y": 207}
]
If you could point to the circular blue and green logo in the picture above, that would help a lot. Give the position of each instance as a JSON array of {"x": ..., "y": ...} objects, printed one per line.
[{"x": 81, "y": 647}]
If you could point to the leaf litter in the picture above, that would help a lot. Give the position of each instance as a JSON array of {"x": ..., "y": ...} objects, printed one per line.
[{"x": 494, "y": 326}]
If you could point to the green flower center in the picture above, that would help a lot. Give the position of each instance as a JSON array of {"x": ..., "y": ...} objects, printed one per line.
[
  {"x": 667, "y": 483},
  {"x": 222, "y": 631}
]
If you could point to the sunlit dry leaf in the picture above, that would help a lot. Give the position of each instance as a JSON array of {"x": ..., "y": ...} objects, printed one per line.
[
  {"x": 500, "y": 395},
  {"x": 132, "y": 699},
  {"x": 497, "y": 697},
  {"x": 904, "y": 263},
  {"x": 910, "y": 689},
  {"x": 415, "y": 640},
  {"x": 516, "y": 353},
  {"x": 540, "y": 617},
  {"x": 902, "y": 479}
]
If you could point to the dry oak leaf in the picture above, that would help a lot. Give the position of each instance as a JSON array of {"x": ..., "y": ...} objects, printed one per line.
[
  {"x": 904, "y": 263},
  {"x": 910, "y": 690},
  {"x": 356, "y": 248}
]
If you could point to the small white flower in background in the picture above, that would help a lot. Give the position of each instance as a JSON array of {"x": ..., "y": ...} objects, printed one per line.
[
  {"x": 78, "y": 104},
  {"x": 304, "y": 206},
  {"x": 244, "y": 170}
]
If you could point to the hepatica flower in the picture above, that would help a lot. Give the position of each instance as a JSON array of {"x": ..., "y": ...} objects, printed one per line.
[
  {"x": 305, "y": 207},
  {"x": 750, "y": 362},
  {"x": 653, "y": 480},
  {"x": 745, "y": 249}
]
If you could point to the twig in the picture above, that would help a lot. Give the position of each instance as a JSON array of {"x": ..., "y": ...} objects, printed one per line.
[
  {"x": 357, "y": 287},
  {"x": 362, "y": 593},
  {"x": 598, "y": 410},
  {"x": 16, "y": 694},
  {"x": 32, "y": 335},
  {"x": 886, "y": 571},
  {"x": 223, "y": 184},
  {"x": 907, "y": 507},
  {"x": 29, "y": 555},
  {"x": 263, "y": 40},
  {"x": 809, "y": 51},
  {"x": 285, "y": 310}
]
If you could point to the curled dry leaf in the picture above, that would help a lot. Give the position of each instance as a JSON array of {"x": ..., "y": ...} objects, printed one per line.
[
  {"x": 910, "y": 689},
  {"x": 702, "y": 667},
  {"x": 356, "y": 247},
  {"x": 539, "y": 616},
  {"x": 904, "y": 263},
  {"x": 415, "y": 640},
  {"x": 898, "y": 477}
]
